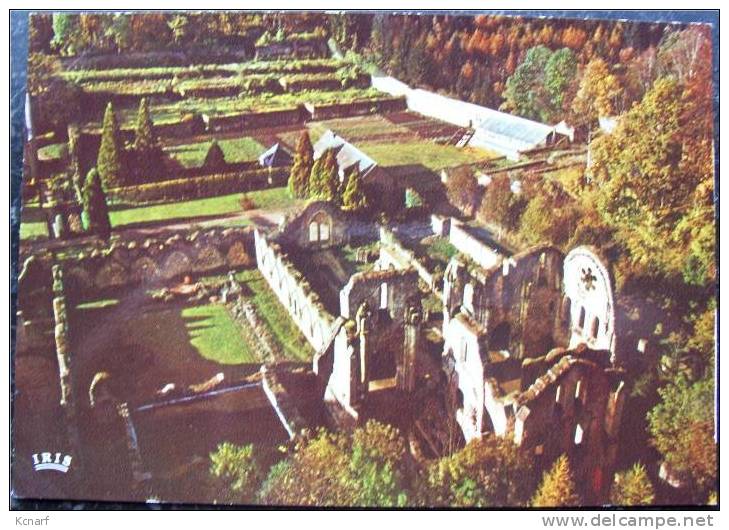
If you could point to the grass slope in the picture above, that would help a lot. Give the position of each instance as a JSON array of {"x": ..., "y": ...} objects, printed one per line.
[
  {"x": 216, "y": 336},
  {"x": 210, "y": 207}
]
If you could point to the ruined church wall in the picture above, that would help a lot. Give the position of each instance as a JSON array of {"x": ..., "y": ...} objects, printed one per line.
[
  {"x": 400, "y": 289},
  {"x": 471, "y": 246},
  {"x": 393, "y": 253},
  {"x": 294, "y": 292}
]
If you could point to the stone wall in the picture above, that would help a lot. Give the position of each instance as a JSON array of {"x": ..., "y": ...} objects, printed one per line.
[
  {"x": 394, "y": 254},
  {"x": 153, "y": 260},
  {"x": 485, "y": 255},
  {"x": 326, "y": 111},
  {"x": 294, "y": 292},
  {"x": 390, "y": 290}
]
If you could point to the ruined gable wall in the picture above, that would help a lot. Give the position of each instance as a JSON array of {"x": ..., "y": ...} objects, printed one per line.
[
  {"x": 523, "y": 294},
  {"x": 574, "y": 408},
  {"x": 294, "y": 292},
  {"x": 401, "y": 290}
]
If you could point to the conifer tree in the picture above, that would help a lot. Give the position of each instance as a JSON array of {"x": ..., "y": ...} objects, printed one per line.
[
  {"x": 354, "y": 198},
  {"x": 632, "y": 488},
  {"x": 324, "y": 177},
  {"x": 145, "y": 141},
  {"x": 302, "y": 167},
  {"x": 95, "y": 215},
  {"x": 109, "y": 159},
  {"x": 558, "y": 487},
  {"x": 215, "y": 159}
]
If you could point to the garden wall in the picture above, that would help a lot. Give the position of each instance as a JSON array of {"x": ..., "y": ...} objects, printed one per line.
[
  {"x": 355, "y": 108},
  {"x": 294, "y": 292},
  {"x": 251, "y": 120}
]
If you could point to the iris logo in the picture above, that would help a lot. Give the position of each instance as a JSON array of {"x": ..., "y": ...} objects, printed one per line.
[{"x": 51, "y": 462}]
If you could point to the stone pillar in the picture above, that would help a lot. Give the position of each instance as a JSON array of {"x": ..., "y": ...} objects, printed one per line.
[
  {"x": 407, "y": 368},
  {"x": 61, "y": 337}
]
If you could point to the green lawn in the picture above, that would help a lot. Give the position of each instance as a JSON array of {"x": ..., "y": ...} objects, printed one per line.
[
  {"x": 422, "y": 152},
  {"x": 53, "y": 151},
  {"x": 293, "y": 343},
  {"x": 235, "y": 150},
  {"x": 33, "y": 230},
  {"x": 216, "y": 336},
  {"x": 213, "y": 206}
]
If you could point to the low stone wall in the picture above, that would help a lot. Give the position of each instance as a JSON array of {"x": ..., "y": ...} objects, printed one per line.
[
  {"x": 294, "y": 292},
  {"x": 356, "y": 108},
  {"x": 156, "y": 259}
]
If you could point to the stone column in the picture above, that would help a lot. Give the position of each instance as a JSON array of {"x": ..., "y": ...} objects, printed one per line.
[{"x": 407, "y": 370}]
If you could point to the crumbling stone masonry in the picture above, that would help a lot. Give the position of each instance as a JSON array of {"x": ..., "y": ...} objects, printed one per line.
[{"x": 530, "y": 352}]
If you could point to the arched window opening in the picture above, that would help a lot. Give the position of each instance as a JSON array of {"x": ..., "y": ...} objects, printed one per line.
[
  {"x": 581, "y": 320},
  {"x": 566, "y": 309},
  {"x": 383, "y": 296}
]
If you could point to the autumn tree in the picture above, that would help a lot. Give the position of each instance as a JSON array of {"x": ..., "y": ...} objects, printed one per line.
[
  {"x": 599, "y": 93},
  {"x": 488, "y": 472},
  {"x": 643, "y": 191},
  {"x": 558, "y": 487},
  {"x": 301, "y": 169},
  {"x": 95, "y": 213},
  {"x": 365, "y": 468},
  {"x": 500, "y": 204},
  {"x": 682, "y": 430},
  {"x": 462, "y": 190},
  {"x": 632, "y": 488},
  {"x": 236, "y": 473},
  {"x": 55, "y": 101},
  {"x": 354, "y": 198},
  {"x": 110, "y": 151}
]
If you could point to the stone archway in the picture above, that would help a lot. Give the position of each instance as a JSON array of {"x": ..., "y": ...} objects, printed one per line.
[
  {"x": 113, "y": 274},
  {"x": 176, "y": 264},
  {"x": 144, "y": 270}
]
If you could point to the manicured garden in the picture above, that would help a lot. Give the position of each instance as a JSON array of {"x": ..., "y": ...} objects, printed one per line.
[
  {"x": 200, "y": 208},
  {"x": 423, "y": 152},
  {"x": 235, "y": 150}
]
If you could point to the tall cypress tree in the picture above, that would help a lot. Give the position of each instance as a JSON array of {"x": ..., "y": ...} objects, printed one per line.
[
  {"x": 329, "y": 178},
  {"x": 558, "y": 487},
  {"x": 109, "y": 159},
  {"x": 95, "y": 215},
  {"x": 354, "y": 198},
  {"x": 145, "y": 141},
  {"x": 302, "y": 167}
]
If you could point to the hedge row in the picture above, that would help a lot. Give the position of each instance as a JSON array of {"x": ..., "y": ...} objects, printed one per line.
[
  {"x": 201, "y": 187},
  {"x": 156, "y": 73}
]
